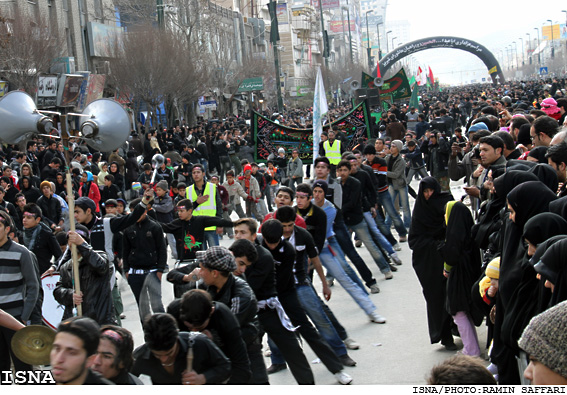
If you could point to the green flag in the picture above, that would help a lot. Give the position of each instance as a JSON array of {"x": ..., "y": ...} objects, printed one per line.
[
  {"x": 412, "y": 80},
  {"x": 366, "y": 81},
  {"x": 414, "y": 101},
  {"x": 397, "y": 87}
]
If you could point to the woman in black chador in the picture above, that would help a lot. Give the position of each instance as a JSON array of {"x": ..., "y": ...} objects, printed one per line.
[{"x": 427, "y": 231}]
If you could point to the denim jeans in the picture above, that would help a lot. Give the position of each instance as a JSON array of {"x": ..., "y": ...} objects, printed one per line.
[
  {"x": 412, "y": 172},
  {"x": 388, "y": 205},
  {"x": 363, "y": 233},
  {"x": 339, "y": 254},
  {"x": 404, "y": 203},
  {"x": 172, "y": 244},
  {"x": 211, "y": 239},
  {"x": 314, "y": 309},
  {"x": 343, "y": 237},
  {"x": 147, "y": 291},
  {"x": 377, "y": 235},
  {"x": 333, "y": 265}
]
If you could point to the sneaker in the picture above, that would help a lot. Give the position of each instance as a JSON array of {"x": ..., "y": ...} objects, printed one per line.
[
  {"x": 374, "y": 289},
  {"x": 347, "y": 361},
  {"x": 330, "y": 282},
  {"x": 393, "y": 268},
  {"x": 396, "y": 259},
  {"x": 343, "y": 378},
  {"x": 358, "y": 243},
  {"x": 377, "y": 318},
  {"x": 351, "y": 344},
  {"x": 388, "y": 275},
  {"x": 403, "y": 239},
  {"x": 397, "y": 247},
  {"x": 276, "y": 367}
]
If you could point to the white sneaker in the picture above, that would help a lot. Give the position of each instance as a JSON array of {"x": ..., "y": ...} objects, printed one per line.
[
  {"x": 343, "y": 378},
  {"x": 388, "y": 275},
  {"x": 374, "y": 289},
  {"x": 397, "y": 247},
  {"x": 377, "y": 318},
  {"x": 351, "y": 344}
]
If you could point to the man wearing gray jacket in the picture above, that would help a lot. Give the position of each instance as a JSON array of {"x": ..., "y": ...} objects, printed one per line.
[
  {"x": 397, "y": 181},
  {"x": 295, "y": 169}
]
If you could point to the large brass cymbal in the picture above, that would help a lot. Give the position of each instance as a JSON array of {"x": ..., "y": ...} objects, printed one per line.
[{"x": 32, "y": 344}]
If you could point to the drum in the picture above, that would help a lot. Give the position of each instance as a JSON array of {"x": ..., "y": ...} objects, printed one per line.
[{"x": 51, "y": 311}]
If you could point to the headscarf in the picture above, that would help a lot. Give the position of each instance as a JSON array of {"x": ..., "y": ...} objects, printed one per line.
[
  {"x": 543, "y": 226},
  {"x": 511, "y": 179},
  {"x": 539, "y": 153},
  {"x": 559, "y": 206},
  {"x": 428, "y": 215},
  {"x": 552, "y": 268},
  {"x": 547, "y": 175},
  {"x": 529, "y": 199},
  {"x": 524, "y": 135}
]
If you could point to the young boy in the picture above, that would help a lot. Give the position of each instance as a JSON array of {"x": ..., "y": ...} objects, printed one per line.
[{"x": 163, "y": 206}]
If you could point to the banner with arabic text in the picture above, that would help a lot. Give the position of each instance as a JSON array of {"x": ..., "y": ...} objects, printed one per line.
[{"x": 268, "y": 136}]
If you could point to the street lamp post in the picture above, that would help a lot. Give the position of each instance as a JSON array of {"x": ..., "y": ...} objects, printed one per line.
[
  {"x": 379, "y": 46},
  {"x": 529, "y": 44},
  {"x": 538, "y": 44},
  {"x": 516, "y": 50},
  {"x": 349, "y": 33},
  {"x": 368, "y": 49},
  {"x": 551, "y": 28},
  {"x": 393, "y": 38},
  {"x": 387, "y": 47},
  {"x": 523, "y": 59}
]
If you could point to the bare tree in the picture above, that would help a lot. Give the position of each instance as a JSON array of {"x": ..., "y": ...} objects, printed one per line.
[{"x": 29, "y": 47}]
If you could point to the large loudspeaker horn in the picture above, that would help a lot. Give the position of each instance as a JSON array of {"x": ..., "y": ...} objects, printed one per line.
[
  {"x": 108, "y": 126},
  {"x": 19, "y": 118},
  {"x": 378, "y": 81},
  {"x": 354, "y": 85}
]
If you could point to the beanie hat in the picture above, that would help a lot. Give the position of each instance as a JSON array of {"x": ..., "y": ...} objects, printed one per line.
[
  {"x": 45, "y": 183},
  {"x": 478, "y": 126},
  {"x": 321, "y": 184},
  {"x": 369, "y": 150},
  {"x": 281, "y": 151},
  {"x": 549, "y": 106},
  {"x": 217, "y": 258},
  {"x": 247, "y": 168},
  {"x": 493, "y": 268},
  {"x": 399, "y": 145},
  {"x": 163, "y": 185},
  {"x": 545, "y": 338}
]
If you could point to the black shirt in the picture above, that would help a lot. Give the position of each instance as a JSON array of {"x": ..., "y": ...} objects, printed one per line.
[
  {"x": 304, "y": 248},
  {"x": 261, "y": 274},
  {"x": 284, "y": 260},
  {"x": 352, "y": 204},
  {"x": 316, "y": 221}
]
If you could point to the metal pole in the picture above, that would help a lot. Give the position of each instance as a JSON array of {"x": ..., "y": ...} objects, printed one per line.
[
  {"x": 324, "y": 37},
  {"x": 278, "y": 81},
  {"x": 516, "y": 50},
  {"x": 539, "y": 49},
  {"x": 379, "y": 45},
  {"x": 523, "y": 61},
  {"x": 343, "y": 23},
  {"x": 387, "y": 47},
  {"x": 159, "y": 4},
  {"x": 551, "y": 28},
  {"x": 349, "y": 34},
  {"x": 393, "y": 38},
  {"x": 368, "y": 49},
  {"x": 529, "y": 46}
]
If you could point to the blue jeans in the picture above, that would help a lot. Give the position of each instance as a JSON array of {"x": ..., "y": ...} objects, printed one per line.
[
  {"x": 376, "y": 233},
  {"x": 388, "y": 205},
  {"x": 404, "y": 203},
  {"x": 147, "y": 291},
  {"x": 363, "y": 233},
  {"x": 334, "y": 267},
  {"x": 211, "y": 239},
  {"x": 339, "y": 254},
  {"x": 314, "y": 309}
]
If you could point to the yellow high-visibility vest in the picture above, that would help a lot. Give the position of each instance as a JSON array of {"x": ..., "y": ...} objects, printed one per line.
[
  {"x": 333, "y": 152},
  {"x": 209, "y": 207}
]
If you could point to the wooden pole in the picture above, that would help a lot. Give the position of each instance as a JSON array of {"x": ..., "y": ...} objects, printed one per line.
[{"x": 71, "y": 203}]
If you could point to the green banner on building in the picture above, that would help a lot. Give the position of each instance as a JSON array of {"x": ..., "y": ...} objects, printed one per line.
[{"x": 251, "y": 84}]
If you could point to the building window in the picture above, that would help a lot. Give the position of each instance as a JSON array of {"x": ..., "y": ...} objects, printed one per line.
[{"x": 98, "y": 9}]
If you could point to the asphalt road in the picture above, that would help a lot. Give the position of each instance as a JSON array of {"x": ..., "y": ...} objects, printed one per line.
[{"x": 398, "y": 352}]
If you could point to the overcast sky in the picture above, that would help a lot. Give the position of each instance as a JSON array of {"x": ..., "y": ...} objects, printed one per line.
[{"x": 494, "y": 24}]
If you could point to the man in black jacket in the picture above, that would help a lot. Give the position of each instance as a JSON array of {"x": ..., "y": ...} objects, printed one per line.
[
  {"x": 145, "y": 260},
  {"x": 50, "y": 206}
]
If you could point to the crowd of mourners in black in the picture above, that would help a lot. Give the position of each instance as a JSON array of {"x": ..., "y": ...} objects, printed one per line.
[{"x": 493, "y": 256}]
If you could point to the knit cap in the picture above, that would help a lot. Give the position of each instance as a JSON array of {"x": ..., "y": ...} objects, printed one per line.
[
  {"x": 545, "y": 338},
  {"x": 321, "y": 184},
  {"x": 399, "y": 145},
  {"x": 478, "y": 126},
  {"x": 163, "y": 185},
  {"x": 45, "y": 183},
  {"x": 493, "y": 268},
  {"x": 549, "y": 106}
]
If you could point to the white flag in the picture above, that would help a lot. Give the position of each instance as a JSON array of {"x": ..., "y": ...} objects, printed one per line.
[{"x": 320, "y": 109}]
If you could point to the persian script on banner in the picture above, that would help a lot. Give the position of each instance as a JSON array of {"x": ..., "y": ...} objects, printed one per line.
[{"x": 268, "y": 136}]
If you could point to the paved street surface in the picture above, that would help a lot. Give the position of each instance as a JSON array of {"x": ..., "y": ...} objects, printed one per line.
[{"x": 397, "y": 352}]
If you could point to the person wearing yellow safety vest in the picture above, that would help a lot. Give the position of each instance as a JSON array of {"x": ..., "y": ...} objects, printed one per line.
[
  {"x": 206, "y": 201},
  {"x": 333, "y": 149}
]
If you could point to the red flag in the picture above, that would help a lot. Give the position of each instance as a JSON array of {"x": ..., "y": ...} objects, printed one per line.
[
  {"x": 378, "y": 74},
  {"x": 431, "y": 80}
]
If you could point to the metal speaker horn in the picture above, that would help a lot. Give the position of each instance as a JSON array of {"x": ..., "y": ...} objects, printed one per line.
[
  {"x": 19, "y": 118},
  {"x": 157, "y": 160},
  {"x": 378, "y": 81},
  {"x": 108, "y": 126},
  {"x": 354, "y": 85}
]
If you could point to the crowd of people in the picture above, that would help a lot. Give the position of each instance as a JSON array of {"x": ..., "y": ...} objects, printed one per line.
[{"x": 493, "y": 256}]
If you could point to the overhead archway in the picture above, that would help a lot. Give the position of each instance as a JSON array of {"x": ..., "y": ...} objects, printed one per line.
[{"x": 463, "y": 44}]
